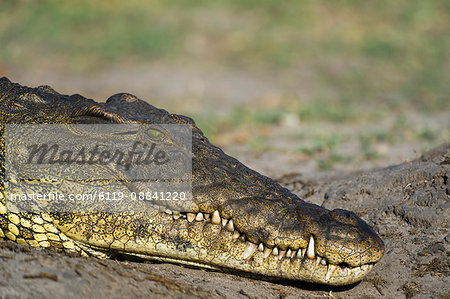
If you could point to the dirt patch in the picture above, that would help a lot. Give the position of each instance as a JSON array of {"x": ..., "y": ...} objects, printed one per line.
[{"x": 407, "y": 204}]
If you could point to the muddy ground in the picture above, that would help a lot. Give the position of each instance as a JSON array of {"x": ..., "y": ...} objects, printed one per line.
[{"x": 407, "y": 204}]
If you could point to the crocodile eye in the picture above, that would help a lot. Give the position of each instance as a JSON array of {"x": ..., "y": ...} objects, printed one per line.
[
  {"x": 155, "y": 134},
  {"x": 158, "y": 135}
]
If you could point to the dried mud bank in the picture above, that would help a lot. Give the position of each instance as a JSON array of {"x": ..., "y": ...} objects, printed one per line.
[{"x": 407, "y": 204}]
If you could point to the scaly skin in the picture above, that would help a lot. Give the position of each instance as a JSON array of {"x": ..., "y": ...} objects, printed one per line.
[{"x": 240, "y": 221}]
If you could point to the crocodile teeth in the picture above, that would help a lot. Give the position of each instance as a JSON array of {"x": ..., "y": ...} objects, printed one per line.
[
  {"x": 288, "y": 253},
  {"x": 215, "y": 217},
  {"x": 199, "y": 217},
  {"x": 331, "y": 269},
  {"x": 318, "y": 260},
  {"x": 261, "y": 247},
  {"x": 224, "y": 222},
  {"x": 176, "y": 216},
  {"x": 190, "y": 217},
  {"x": 168, "y": 211},
  {"x": 249, "y": 250},
  {"x": 267, "y": 252},
  {"x": 230, "y": 225},
  {"x": 236, "y": 235},
  {"x": 310, "y": 250},
  {"x": 275, "y": 251},
  {"x": 301, "y": 253},
  {"x": 323, "y": 262}
]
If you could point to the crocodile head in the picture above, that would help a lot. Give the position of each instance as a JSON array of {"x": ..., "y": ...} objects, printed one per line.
[{"x": 240, "y": 221}]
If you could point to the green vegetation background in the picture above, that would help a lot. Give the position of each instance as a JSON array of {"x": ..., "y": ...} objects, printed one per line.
[{"x": 369, "y": 58}]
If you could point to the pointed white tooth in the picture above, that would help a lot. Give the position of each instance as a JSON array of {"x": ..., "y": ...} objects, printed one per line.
[
  {"x": 370, "y": 266},
  {"x": 298, "y": 254},
  {"x": 230, "y": 225},
  {"x": 261, "y": 247},
  {"x": 301, "y": 253},
  {"x": 168, "y": 211},
  {"x": 183, "y": 215},
  {"x": 275, "y": 251},
  {"x": 224, "y": 222},
  {"x": 215, "y": 217},
  {"x": 323, "y": 262},
  {"x": 236, "y": 235},
  {"x": 331, "y": 269},
  {"x": 249, "y": 250},
  {"x": 310, "y": 251},
  {"x": 289, "y": 253},
  {"x": 190, "y": 217},
  {"x": 206, "y": 216},
  {"x": 267, "y": 252},
  {"x": 318, "y": 260},
  {"x": 176, "y": 216},
  {"x": 199, "y": 217}
]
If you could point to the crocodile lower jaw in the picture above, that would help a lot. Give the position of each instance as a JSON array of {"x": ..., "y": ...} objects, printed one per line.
[{"x": 304, "y": 259}]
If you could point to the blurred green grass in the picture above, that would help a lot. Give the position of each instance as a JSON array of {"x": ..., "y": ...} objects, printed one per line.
[
  {"x": 365, "y": 60},
  {"x": 386, "y": 51}
]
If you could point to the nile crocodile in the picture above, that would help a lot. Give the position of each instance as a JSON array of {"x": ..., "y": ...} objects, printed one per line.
[{"x": 240, "y": 221}]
